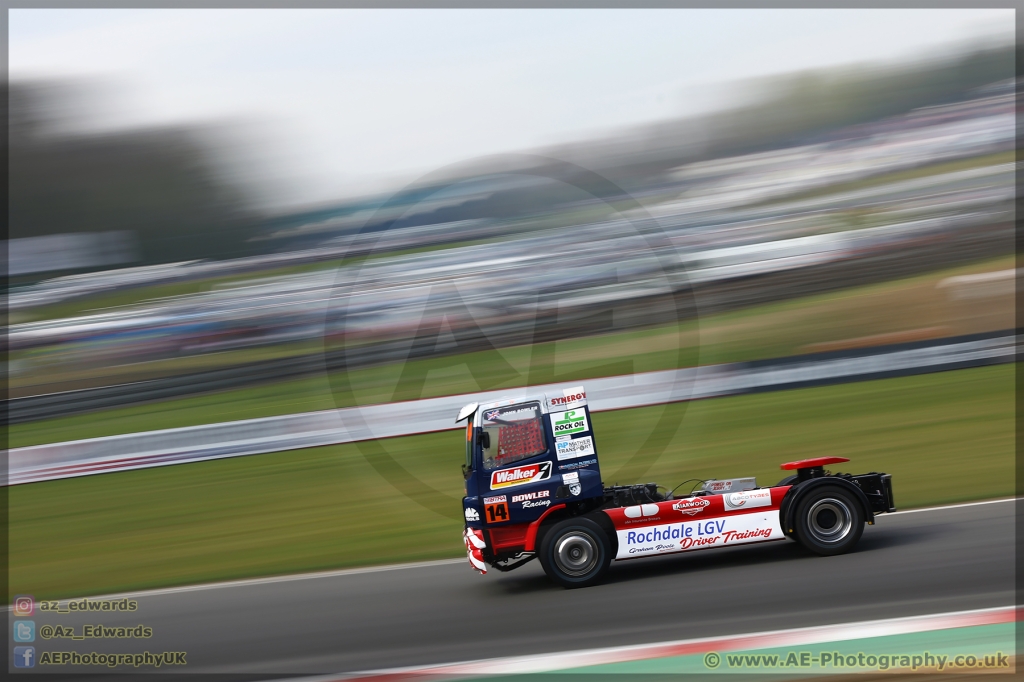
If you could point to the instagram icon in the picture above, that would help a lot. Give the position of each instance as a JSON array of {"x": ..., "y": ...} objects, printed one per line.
[{"x": 24, "y": 605}]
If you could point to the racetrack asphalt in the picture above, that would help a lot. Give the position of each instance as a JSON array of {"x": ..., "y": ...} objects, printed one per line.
[{"x": 929, "y": 561}]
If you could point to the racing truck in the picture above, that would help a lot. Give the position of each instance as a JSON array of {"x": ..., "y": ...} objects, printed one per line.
[{"x": 534, "y": 490}]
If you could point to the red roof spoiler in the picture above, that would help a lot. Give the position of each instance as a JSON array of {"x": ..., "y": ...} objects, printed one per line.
[{"x": 816, "y": 462}]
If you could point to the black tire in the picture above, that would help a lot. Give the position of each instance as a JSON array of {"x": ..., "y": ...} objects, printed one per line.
[
  {"x": 575, "y": 553},
  {"x": 828, "y": 521},
  {"x": 788, "y": 480}
]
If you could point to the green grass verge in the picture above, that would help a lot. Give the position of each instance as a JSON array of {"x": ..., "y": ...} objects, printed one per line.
[
  {"x": 945, "y": 437},
  {"x": 773, "y": 330}
]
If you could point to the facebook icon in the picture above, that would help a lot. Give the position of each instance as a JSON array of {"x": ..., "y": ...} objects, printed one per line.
[{"x": 24, "y": 657}]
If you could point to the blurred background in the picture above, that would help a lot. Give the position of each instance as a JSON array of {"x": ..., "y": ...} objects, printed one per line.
[{"x": 220, "y": 215}]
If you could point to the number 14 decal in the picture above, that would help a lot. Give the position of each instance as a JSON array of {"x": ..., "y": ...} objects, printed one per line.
[{"x": 496, "y": 513}]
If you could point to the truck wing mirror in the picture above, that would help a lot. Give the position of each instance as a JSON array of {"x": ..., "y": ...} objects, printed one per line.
[
  {"x": 485, "y": 440},
  {"x": 467, "y": 411}
]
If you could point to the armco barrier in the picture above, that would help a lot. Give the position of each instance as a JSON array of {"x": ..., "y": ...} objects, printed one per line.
[{"x": 330, "y": 427}]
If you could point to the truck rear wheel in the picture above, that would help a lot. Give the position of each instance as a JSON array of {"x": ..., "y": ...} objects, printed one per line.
[
  {"x": 575, "y": 553},
  {"x": 829, "y": 521}
]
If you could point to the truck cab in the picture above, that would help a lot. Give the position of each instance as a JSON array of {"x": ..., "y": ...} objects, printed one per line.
[{"x": 526, "y": 459}]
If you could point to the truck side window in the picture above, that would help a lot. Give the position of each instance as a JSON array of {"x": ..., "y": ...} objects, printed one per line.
[{"x": 516, "y": 433}]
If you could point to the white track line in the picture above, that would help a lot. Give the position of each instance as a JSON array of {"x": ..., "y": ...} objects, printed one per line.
[
  {"x": 245, "y": 582},
  {"x": 950, "y": 506},
  {"x": 566, "y": 660}
]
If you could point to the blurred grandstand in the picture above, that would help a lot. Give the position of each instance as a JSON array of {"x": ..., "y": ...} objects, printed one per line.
[{"x": 519, "y": 250}]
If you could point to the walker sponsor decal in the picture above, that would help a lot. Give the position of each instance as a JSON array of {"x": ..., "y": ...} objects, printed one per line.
[
  {"x": 571, "y": 397},
  {"x": 507, "y": 478},
  {"x": 570, "y": 448},
  {"x": 691, "y": 506},
  {"x": 689, "y": 535},
  {"x": 748, "y": 499},
  {"x": 570, "y": 421}
]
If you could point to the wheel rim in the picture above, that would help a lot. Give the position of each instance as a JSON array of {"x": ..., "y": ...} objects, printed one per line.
[
  {"x": 575, "y": 554},
  {"x": 829, "y": 520}
]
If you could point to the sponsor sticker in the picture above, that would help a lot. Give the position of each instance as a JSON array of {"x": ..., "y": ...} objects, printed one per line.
[
  {"x": 640, "y": 510},
  {"x": 568, "y": 422},
  {"x": 691, "y": 506},
  {"x": 718, "y": 486},
  {"x": 571, "y": 448},
  {"x": 576, "y": 465},
  {"x": 684, "y": 536},
  {"x": 748, "y": 499},
  {"x": 572, "y": 479},
  {"x": 472, "y": 514},
  {"x": 512, "y": 413},
  {"x": 571, "y": 397},
  {"x": 497, "y": 511},
  {"x": 531, "y": 473},
  {"x": 495, "y": 500}
]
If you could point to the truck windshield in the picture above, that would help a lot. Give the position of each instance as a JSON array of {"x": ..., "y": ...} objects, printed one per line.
[{"x": 515, "y": 433}]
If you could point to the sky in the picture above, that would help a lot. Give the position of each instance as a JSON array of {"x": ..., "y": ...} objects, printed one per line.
[{"x": 344, "y": 102}]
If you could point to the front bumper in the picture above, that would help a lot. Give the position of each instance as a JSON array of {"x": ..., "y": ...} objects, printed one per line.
[{"x": 475, "y": 546}]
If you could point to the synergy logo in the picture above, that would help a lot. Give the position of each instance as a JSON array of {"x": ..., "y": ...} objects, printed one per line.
[
  {"x": 570, "y": 396},
  {"x": 691, "y": 506},
  {"x": 506, "y": 478}
]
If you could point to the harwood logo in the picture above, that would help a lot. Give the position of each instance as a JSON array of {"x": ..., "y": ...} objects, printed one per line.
[
  {"x": 691, "y": 506},
  {"x": 506, "y": 478}
]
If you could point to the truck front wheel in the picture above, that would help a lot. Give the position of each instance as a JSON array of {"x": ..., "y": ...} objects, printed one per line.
[
  {"x": 829, "y": 521},
  {"x": 575, "y": 553}
]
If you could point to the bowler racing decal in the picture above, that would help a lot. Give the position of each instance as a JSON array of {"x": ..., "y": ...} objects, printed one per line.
[
  {"x": 736, "y": 529},
  {"x": 531, "y": 473}
]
